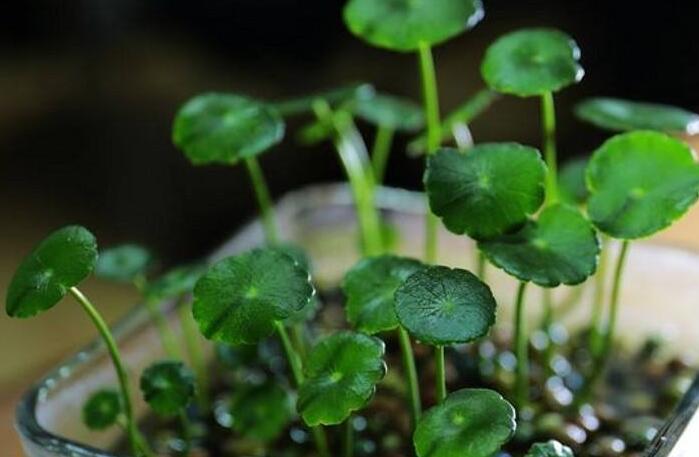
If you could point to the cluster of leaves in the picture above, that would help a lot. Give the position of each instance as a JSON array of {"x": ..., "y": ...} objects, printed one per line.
[{"x": 536, "y": 224}]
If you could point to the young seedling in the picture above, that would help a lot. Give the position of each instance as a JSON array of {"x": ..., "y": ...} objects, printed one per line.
[
  {"x": 340, "y": 377},
  {"x": 469, "y": 423},
  {"x": 560, "y": 247},
  {"x": 168, "y": 387},
  {"x": 443, "y": 306},
  {"x": 550, "y": 448},
  {"x": 245, "y": 298},
  {"x": 618, "y": 115},
  {"x": 51, "y": 271},
  {"x": 261, "y": 411},
  {"x": 457, "y": 120},
  {"x": 176, "y": 284},
  {"x": 129, "y": 263},
  {"x": 216, "y": 128},
  {"x": 102, "y": 410},
  {"x": 487, "y": 192},
  {"x": 370, "y": 287},
  {"x": 535, "y": 62},
  {"x": 639, "y": 183},
  {"x": 416, "y": 26},
  {"x": 389, "y": 114}
]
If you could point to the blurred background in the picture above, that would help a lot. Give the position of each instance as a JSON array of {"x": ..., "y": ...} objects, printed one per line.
[{"x": 88, "y": 90}]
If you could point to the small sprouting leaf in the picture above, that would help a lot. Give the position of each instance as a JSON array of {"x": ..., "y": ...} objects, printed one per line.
[
  {"x": 572, "y": 187},
  {"x": 239, "y": 299},
  {"x": 532, "y": 62},
  {"x": 341, "y": 376},
  {"x": 561, "y": 247},
  {"x": 370, "y": 286},
  {"x": 261, "y": 412},
  {"x": 404, "y": 25},
  {"x": 469, "y": 423},
  {"x": 225, "y": 128},
  {"x": 621, "y": 115},
  {"x": 62, "y": 260},
  {"x": 392, "y": 112},
  {"x": 123, "y": 263},
  {"x": 442, "y": 306},
  {"x": 550, "y": 448},
  {"x": 168, "y": 387},
  {"x": 487, "y": 191},
  {"x": 640, "y": 182},
  {"x": 102, "y": 409},
  {"x": 174, "y": 283}
]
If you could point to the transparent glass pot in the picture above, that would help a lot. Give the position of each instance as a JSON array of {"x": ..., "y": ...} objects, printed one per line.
[{"x": 659, "y": 295}]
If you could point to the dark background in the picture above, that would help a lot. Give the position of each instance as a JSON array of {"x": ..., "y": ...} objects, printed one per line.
[{"x": 88, "y": 90}]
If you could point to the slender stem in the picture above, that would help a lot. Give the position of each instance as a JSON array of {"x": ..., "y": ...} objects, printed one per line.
[
  {"x": 440, "y": 381},
  {"x": 596, "y": 339},
  {"x": 186, "y": 427},
  {"x": 380, "y": 152},
  {"x": 297, "y": 373},
  {"x": 548, "y": 316},
  {"x": 548, "y": 123},
  {"x": 614, "y": 304},
  {"x": 349, "y": 438},
  {"x": 298, "y": 337},
  {"x": 431, "y": 100},
  {"x": 195, "y": 352},
  {"x": 521, "y": 350},
  {"x": 482, "y": 265},
  {"x": 167, "y": 337},
  {"x": 122, "y": 374},
  {"x": 411, "y": 376},
  {"x": 259, "y": 185},
  {"x": 355, "y": 160}
]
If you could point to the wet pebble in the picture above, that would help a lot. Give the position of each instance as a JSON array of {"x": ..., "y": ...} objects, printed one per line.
[{"x": 607, "y": 446}]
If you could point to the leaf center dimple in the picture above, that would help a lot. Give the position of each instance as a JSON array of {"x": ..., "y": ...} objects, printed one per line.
[
  {"x": 540, "y": 243},
  {"x": 336, "y": 376},
  {"x": 252, "y": 292},
  {"x": 637, "y": 193}
]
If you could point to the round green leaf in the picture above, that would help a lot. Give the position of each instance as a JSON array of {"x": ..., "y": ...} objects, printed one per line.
[
  {"x": 550, "y": 448},
  {"x": 123, "y": 263},
  {"x": 442, "y": 306},
  {"x": 225, "y": 128},
  {"x": 572, "y": 187},
  {"x": 167, "y": 387},
  {"x": 620, "y": 115},
  {"x": 489, "y": 190},
  {"x": 174, "y": 283},
  {"x": 261, "y": 412},
  {"x": 640, "y": 182},
  {"x": 531, "y": 62},
  {"x": 102, "y": 409},
  {"x": 391, "y": 112},
  {"x": 341, "y": 376},
  {"x": 468, "y": 423},
  {"x": 370, "y": 286},
  {"x": 62, "y": 260},
  {"x": 240, "y": 298},
  {"x": 561, "y": 247},
  {"x": 404, "y": 25}
]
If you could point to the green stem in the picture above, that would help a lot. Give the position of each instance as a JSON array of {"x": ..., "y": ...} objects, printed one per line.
[
  {"x": 548, "y": 122},
  {"x": 355, "y": 160},
  {"x": 297, "y": 373},
  {"x": 186, "y": 431},
  {"x": 380, "y": 152},
  {"x": 521, "y": 350},
  {"x": 614, "y": 305},
  {"x": 122, "y": 374},
  {"x": 196, "y": 353},
  {"x": 440, "y": 381},
  {"x": 548, "y": 316},
  {"x": 596, "y": 340},
  {"x": 298, "y": 337},
  {"x": 167, "y": 337},
  {"x": 349, "y": 438},
  {"x": 431, "y": 100},
  {"x": 482, "y": 265},
  {"x": 259, "y": 185},
  {"x": 411, "y": 376}
]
